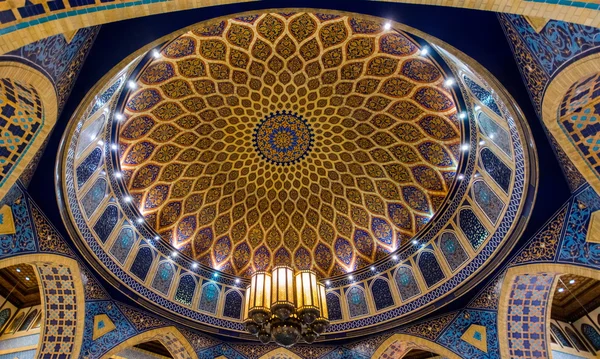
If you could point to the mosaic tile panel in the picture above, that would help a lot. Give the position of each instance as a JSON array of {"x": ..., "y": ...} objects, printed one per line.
[
  {"x": 579, "y": 117},
  {"x": 142, "y": 262},
  {"x": 560, "y": 336},
  {"x": 574, "y": 248},
  {"x": 497, "y": 169},
  {"x": 430, "y": 268},
  {"x": 588, "y": 331},
  {"x": 487, "y": 200},
  {"x": 495, "y": 132},
  {"x": 575, "y": 340},
  {"x": 381, "y": 293},
  {"x": 23, "y": 240},
  {"x": 61, "y": 312},
  {"x": 209, "y": 298},
  {"x": 452, "y": 250},
  {"x": 483, "y": 95},
  {"x": 526, "y": 317},
  {"x": 472, "y": 228},
  {"x": 185, "y": 290},
  {"x": 451, "y": 337},
  {"x": 357, "y": 302},
  {"x": 407, "y": 285},
  {"x": 61, "y": 59},
  {"x": 334, "y": 306},
  {"x": 106, "y": 223},
  {"x": 163, "y": 277},
  {"x": 88, "y": 166},
  {"x": 95, "y": 349},
  {"x": 21, "y": 120},
  {"x": 122, "y": 245},
  {"x": 233, "y": 305},
  {"x": 91, "y": 200}
]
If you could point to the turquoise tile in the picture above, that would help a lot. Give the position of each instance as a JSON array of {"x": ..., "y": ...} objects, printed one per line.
[
  {"x": 61, "y": 15},
  {"x": 578, "y": 4}
]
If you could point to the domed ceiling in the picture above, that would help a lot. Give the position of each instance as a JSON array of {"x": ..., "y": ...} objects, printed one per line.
[
  {"x": 388, "y": 162},
  {"x": 312, "y": 140}
]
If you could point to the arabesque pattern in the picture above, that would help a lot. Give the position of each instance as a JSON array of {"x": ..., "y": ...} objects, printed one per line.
[{"x": 385, "y": 148}]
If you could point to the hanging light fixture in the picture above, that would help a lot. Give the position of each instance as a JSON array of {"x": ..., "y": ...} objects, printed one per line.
[{"x": 286, "y": 307}]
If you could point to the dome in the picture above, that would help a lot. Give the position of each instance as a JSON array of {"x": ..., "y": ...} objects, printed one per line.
[
  {"x": 319, "y": 140},
  {"x": 325, "y": 142}
]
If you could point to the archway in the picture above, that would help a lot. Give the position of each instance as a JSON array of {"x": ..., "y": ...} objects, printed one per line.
[
  {"x": 171, "y": 338},
  {"x": 52, "y": 20},
  {"x": 62, "y": 294},
  {"x": 399, "y": 345},
  {"x": 567, "y": 112},
  {"x": 524, "y": 308},
  {"x": 29, "y": 112}
]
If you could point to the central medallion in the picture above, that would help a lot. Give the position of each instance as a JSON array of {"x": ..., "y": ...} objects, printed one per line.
[{"x": 283, "y": 138}]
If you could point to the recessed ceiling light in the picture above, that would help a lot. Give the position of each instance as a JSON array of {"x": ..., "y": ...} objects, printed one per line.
[
  {"x": 118, "y": 174},
  {"x": 114, "y": 146},
  {"x": 237, "y": 281},
  {"x": 156, "y": 54},
  {"x": 140, "y": 220},
  {"x": 560, "y": 290},
  {"x": 127, "y": 198},
  {"x": 465, "y": 147},
  {"x": 424, "y": 51},
  {"x": 477, "y": 108},
  {"x": 215, "y": 274},
  {"x": 119, "y": 116},
  {"x": 18, "y": 270},
  {"x": 26, "y": 278},
  {"x": 395, "y": 257},
  {"x": 351, "y": 277},
  {"x": 415, "y": 242},
  {"x": 131, "y": 84},
  {"x": 373, "y": 268},
  {"x": 462, "y": 115},
  {"x": 461, "y": 177},
  {"x": 327, "y": 282},
  {"x": 387, "y": 26},
  {"x": 449, "y": 82},
  {"x": 194, "y": 265},
  {"x": 572, "y": 281},
  {"x": 173, "y": 254}
]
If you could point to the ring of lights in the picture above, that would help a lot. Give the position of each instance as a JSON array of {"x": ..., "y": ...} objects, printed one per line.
[{"x": 110, "y": 94}]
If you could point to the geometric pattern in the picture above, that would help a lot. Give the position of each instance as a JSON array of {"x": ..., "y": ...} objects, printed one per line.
[
  {"x": 368, "y": 133},
  {"x": 476, "y": 336},
  {"x": 526, "y": 317},
  {"x": 61, "y": 311},
  {"x": 21, "y": 119},
  {"x": 579, "y": 118}
]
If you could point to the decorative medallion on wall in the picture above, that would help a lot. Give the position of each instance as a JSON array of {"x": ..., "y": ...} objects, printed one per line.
[{"x": 283, "y": 138}]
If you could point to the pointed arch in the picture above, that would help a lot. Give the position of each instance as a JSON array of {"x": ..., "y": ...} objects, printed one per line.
[
  {"x": 398, "y": 345},
  {"x": 170, "y": 337},
  {"x": 517, "y": 282},
  {"x": 59, "y": 278}
]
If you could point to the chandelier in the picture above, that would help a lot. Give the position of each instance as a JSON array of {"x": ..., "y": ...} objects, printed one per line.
[{"x": 285, "y": 307}]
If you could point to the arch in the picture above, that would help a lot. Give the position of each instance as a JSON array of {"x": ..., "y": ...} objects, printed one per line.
[
  {"x": 381, "y": 293},
  {"x": 357, "y": 301},
  {"x": 538, "y": 280},
  {"x": 170, "y": 337},
  {"x": 209, "y": 297},
  {"x": 406, "y": 282},
  {"x": 26, "y": 80},
  {"x": 591, "y": 334},
  {"x": 142, "y": 262},
  {"x": 186, "y": 289},
  {"x": 334, "y": 306},
  {"x": 5, "y": 315},
  {"x": 560, "y": 336},
  {"x": 28, "y": 320},
  {"x": 554, "y": 96},
  {"x": 575, "y": 339},
  {"x": 32, "y": 28},
  {"x": 164, "y": 277},
  {"x": 400, "y": 344},
  {"x": 233, "y": 304},
  {"x": 430, "y": 268},
  {"x": 65, "y": 322}
]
